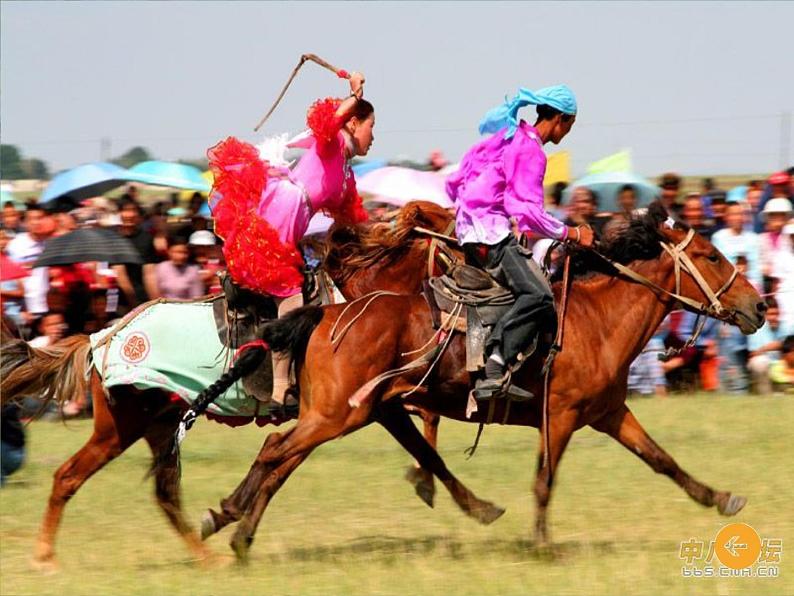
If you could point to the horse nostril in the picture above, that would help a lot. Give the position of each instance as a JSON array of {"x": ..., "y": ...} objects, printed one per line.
[{"x": 761, "y": 307}]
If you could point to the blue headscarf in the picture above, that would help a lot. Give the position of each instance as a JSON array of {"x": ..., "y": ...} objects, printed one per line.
[{"x": 559, "y": 97}]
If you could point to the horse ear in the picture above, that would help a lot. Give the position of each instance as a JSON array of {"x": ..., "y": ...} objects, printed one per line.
[{"x": 657, "y": 214}]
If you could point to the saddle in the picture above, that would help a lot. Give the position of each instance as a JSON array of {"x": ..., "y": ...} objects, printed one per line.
[{"x": 468, "y": 300}]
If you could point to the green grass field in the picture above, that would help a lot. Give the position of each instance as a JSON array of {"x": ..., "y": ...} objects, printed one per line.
[{"x": 347, "y": 523}]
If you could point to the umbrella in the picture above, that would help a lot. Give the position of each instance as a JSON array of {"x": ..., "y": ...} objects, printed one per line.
[
  {"x": 10, "y": 270},
  {"x": 166, "y": 173},
  {"x": 607, "y": 185},
  {"x": 88, "y": 244},
  {"x": 365, "y": 167},
  {"x": 397, "y": 186},
  {"x": 85, "y": 181}
]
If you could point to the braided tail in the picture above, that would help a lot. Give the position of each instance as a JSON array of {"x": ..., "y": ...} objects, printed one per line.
[{"x": 246, "y": 363}]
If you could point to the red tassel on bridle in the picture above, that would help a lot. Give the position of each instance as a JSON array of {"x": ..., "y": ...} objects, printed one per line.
[{"x": 257, "y": 343}]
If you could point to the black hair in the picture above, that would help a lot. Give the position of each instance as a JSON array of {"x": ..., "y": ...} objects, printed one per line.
[
  {"x": 548, "y": 113},
  {"x": 556, "y": 192},
  {"x": 627, "y": 187},
  {"x": 127, "y": 201},
  {"x": 363, "y": 109},
  {"x": 788, "y": 344},
  {"x": 176, "y": 239}
]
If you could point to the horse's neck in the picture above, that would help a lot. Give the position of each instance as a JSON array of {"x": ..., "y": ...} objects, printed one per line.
[
  {"x": 404, "y": 275},
  {"x": 626, "y": 313}
]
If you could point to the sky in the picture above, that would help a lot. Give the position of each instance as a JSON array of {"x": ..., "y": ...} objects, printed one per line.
[{"x": 697, "y": 88}]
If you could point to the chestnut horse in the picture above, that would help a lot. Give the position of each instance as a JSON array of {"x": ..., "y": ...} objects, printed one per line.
[
  {"x": 359, "y": 260},
  {"x": 610, "y": 318}
]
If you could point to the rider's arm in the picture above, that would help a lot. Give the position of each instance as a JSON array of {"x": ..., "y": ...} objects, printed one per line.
[
  {"x": 345, "y": 109},
  {"x": 524, "y": 166}
]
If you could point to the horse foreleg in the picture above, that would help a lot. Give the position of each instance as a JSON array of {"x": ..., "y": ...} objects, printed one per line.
[
  {"x": 561, "y": 427},
  {"x": 395, "y": 419},
  {"x": 420, "y": 477},
  {"x": 166, "y": 482},
  {"x": 233, "y": 506},
  {"x": 624, "y": 427}
]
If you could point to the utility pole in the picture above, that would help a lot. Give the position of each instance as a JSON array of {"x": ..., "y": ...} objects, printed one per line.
[
  {"x": 785, "y": 140},
  {"x": 104, "y": 149}
]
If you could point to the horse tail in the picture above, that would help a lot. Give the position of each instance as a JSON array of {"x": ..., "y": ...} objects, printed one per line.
[
  {"x": 291, "y": 333},
  {"x": 58, "y": 372}
]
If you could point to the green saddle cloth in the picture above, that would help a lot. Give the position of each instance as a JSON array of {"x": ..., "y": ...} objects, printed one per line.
[{"x": 175, "y": 347}]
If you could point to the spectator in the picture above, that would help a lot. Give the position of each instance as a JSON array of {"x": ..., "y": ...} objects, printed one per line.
[
  {"x": 51, "y": 328},
  {"x": 12, "y": 221},
  {"x": 781, "y": 373},
  {"x": 12, "y": 442},
  {"x": 137, "y": 282},
  {"x": 717, "y": 210},
  {"x": 734, "y": 242},
  {"x": 776, "y": 250},
  {"x": 764, "y": 346},
  {"x": 693, "y": 215},
  {"x": 733, "y": 349},
  {"x": 554, "y": 200},
  {"x": 627, "y": 201},
  {"x": 176, "y": 279},
  {"x": 646, "y": 373},
  {"x": 205, "y": 255},
  {"x": 25, "y": 249},
  {"x": 670, "y": 184},
  {"x": 12, "y": 292},
  {"x": 708, "y": 188}
]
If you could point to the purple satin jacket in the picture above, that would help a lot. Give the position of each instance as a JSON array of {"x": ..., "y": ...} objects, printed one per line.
[{"x": 501, "y": 179}]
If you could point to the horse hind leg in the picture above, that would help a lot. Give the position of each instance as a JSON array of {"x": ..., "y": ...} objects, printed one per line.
[
  {"x": 166, "y": 482},
  {"x": 395, "y": 419},
  {"x": 419, "y": 477},
  {"x": 624, "y": 427},
  {"x": 103, "y": 446}
]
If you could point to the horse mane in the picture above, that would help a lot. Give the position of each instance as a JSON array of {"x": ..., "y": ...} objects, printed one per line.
[
  {"x": 349, "y": 249},
  {"x": 637, "y": 239}
]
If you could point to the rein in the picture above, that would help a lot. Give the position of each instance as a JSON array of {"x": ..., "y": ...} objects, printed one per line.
[{"x": 682, "y": 262}]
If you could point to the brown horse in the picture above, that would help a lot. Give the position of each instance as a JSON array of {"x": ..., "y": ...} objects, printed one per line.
[
  {"x": 610, "y": 318},
  {"x": 360, "y": 260}
]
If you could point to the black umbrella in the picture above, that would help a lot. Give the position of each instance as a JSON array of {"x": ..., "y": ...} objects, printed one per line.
[{"x": 89, "y": 244}]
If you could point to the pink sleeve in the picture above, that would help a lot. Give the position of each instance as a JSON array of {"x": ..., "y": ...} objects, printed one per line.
[{"x": 524, "y": 168}]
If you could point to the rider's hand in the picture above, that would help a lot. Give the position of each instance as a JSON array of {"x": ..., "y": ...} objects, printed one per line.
[
  {"x": 581, "y": 235},
  {"x": 357, "y": 84}
]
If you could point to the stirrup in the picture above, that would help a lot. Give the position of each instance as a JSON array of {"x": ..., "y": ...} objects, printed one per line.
[{"x": 487, "y": 389}]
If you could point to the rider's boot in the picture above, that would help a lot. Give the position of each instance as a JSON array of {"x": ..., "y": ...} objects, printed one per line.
[{"x": 495, "y": 382}]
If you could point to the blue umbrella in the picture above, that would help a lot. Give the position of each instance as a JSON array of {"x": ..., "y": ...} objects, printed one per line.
[
  {"x": 86, "y": 181},
  {"x": 363, "y": 167},
  {"x": 607, "y": 185},
  {"x": 166, "y": 173}
]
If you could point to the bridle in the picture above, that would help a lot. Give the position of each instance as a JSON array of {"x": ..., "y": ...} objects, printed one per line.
[{"x": 682, "y": 262}]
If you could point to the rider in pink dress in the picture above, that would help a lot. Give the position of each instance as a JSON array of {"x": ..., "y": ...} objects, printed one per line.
[{"x": 262, "y": 210}]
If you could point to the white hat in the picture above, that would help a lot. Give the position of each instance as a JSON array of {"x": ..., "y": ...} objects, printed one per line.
[
  {"x": 202, "y": 238},
  {"x": 779, "y": 205}
]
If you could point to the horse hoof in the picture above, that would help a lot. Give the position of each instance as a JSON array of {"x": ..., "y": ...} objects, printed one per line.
[
  {"x": 207, "y": 525},
  {"x": 733, "y": 505},
  {"x": 488, "y": 513},
  {"x": 45, "y": 566},
  {"x": 423, "y": 485},
  {"x": 241, "y": 546}
]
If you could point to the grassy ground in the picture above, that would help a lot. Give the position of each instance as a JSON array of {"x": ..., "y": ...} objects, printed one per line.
[{"x": 347, "y": 523}]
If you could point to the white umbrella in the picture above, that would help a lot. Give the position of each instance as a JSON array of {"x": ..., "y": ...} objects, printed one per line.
[{"x": 397, "y": 186}]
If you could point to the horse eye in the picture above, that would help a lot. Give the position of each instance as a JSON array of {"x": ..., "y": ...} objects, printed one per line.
[{"x": 714, "y": 258}]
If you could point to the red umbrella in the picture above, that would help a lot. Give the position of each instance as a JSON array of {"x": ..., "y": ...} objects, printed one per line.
[{"x": 10, "y": 270}]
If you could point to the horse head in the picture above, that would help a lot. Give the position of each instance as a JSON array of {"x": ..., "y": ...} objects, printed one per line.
[{"x": 706, "y": 281}]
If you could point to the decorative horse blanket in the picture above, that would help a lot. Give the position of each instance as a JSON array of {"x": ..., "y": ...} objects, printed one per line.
[{"x": 174, "y": 346}]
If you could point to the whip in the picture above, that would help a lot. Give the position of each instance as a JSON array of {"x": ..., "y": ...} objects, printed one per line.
[{"x": 341, "y": 73}]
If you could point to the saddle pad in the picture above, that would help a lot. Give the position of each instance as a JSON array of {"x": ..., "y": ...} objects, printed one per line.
[{"x": 173, "y": 347}]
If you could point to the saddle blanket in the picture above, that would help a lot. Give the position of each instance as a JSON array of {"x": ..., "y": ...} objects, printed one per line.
[{"x": 173, "y": 347}]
